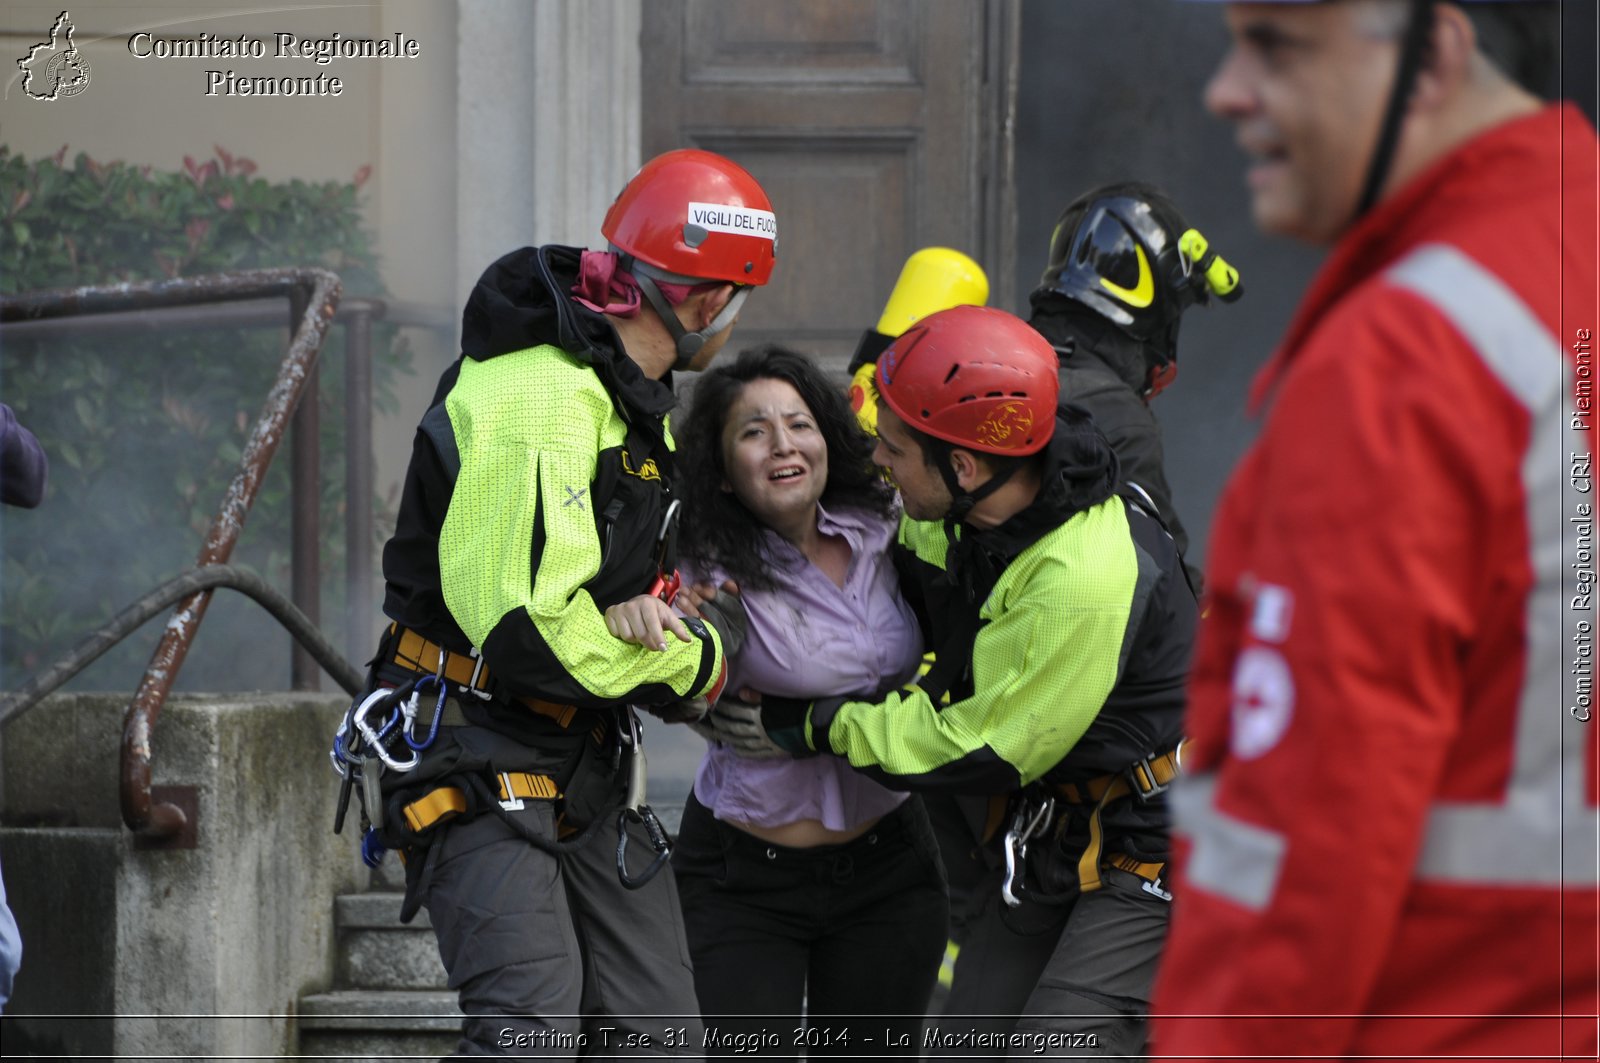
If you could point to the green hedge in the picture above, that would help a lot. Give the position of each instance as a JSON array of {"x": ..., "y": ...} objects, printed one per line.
[{"x": 144, "y": 432}]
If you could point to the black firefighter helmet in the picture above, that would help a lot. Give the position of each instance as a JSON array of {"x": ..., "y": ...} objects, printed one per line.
[{"x": 1124, "y": 252}]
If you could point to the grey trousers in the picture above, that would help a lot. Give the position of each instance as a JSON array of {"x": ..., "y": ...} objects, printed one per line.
[
  {"x": 1069, "y": 980},
  {"x": 553, "y": 957}
]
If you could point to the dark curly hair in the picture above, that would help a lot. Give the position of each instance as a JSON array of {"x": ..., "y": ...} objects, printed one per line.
[{"x": 717, "y": 529}]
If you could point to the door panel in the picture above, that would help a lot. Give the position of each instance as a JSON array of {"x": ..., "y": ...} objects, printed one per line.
[{"x": 874, "y": 126}]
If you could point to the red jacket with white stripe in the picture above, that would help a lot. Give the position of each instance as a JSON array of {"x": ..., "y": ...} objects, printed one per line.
[{"x": 1388, "y": 836}]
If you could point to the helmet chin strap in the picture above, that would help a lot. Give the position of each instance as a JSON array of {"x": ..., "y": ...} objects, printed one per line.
[
  {"x": 962, "y": 500},
  {"x": 1413, "y": 50},
  {"x": 688, "y": 344}
]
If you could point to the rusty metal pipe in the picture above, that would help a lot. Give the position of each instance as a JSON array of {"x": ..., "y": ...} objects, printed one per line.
[
  {"x": 358, "y": 476},
  {"x": 144, "y": 295},
  {"x": 165, "y": 821},
  {"x": 46, "y": 681},
  {"x": 305, "y": 509}
]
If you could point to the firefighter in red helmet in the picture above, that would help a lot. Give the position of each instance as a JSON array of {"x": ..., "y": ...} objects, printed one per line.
[
  {"x": 496, "y": 747},
  {"x": 1062, "y": 624}
]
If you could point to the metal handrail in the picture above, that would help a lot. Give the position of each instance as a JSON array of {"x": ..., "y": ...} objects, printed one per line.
[
  {"x": 315, "y": 294},
  {"x": 94, "y": 645}
]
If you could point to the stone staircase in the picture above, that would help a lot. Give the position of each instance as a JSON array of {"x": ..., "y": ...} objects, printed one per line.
[
  {"x": 201, "y": 951},
  {"x": 389, "y": 998}
]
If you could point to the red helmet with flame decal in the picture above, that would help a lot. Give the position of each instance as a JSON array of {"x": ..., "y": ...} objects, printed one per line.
[{"x": 974, "y": 376}]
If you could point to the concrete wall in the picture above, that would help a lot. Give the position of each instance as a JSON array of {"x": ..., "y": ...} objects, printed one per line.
[
  {"x": 200, "y": 952},
  {"x": 548, "y": 100}
]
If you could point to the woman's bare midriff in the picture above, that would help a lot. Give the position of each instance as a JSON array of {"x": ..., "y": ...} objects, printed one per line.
[{"x": 804, "y": 833}]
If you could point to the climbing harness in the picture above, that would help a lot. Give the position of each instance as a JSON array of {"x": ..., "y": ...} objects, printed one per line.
[
  {"x": 1034, "y": 814},
  {"x": 385, "y": 733}
]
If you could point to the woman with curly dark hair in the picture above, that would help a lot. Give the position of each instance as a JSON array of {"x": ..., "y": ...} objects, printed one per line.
[{"x": 804, "y": 883}]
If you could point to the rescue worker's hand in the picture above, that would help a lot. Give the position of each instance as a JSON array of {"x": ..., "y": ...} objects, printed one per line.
[
  {"x": 726, "y": 613},
  {"x": 688, "y": 710},
  {"x": 737, "y": 725},
  {"x": 801, "y": 726},
  {"x": 644, "y": 621},
  {"x": 783, "y": 720},
  {"x": 689, "y": 598}
]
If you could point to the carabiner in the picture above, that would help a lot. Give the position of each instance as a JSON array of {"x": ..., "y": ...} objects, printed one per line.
[
  {"x": 375, "y": 739},
  {"x": 1014, "y": 857},
  {"x": 1024, "y": 827},
  {"x": 634, "y": 742},
  {"x": 633, "y": 807},
  {"x": 341, "y": 760},
  {"x": 666, "y": 587},
  {"x": 438, "y": 712},
  {"x": 658, "y": 841},
  {"x": 668, "y": 581}
]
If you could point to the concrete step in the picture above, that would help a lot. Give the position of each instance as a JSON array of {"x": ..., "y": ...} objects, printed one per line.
[
  {"x": 375, "y": 910},
  {"x": 378, "y": 952},
  {"x": 359, "y": 1024}
]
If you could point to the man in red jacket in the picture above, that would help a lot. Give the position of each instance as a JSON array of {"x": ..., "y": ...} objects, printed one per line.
[{"x": 1389, "y": 826}]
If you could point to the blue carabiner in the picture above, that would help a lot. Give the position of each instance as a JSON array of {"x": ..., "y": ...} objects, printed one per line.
[
  {"x": 372, "y": 850},
  {"x": 438, "y": 713}
]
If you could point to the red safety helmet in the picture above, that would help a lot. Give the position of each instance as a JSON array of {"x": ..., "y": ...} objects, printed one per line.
[
  {"x": 695, "y": 216},
  {"x": 974, "y": 376}
]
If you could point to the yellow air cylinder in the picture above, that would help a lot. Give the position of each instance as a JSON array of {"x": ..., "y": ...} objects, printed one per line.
[{"x": 934, "y": 278}]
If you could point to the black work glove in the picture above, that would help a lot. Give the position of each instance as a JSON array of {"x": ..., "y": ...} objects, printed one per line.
[
  {"x": 726, "y": 613},
  {"x": 785, "y": 721},
  {"x": 687, "y": 710}
]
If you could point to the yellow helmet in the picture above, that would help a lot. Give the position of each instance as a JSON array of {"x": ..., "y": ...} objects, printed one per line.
[{"x": 933, "y": 279}]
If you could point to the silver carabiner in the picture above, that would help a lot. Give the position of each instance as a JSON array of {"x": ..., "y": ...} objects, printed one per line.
[
  {"x": 371, "y": 738},
  {"x": 1024, "y": 827},
  {"x": 635, "y": 809},
  {"x": 636, "y": 762},
  {"x": 1013, "y": 871}
]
